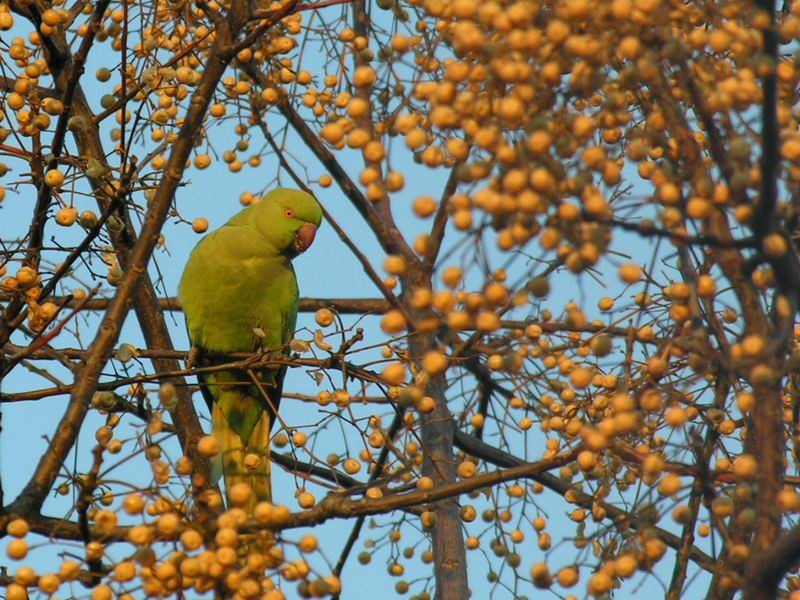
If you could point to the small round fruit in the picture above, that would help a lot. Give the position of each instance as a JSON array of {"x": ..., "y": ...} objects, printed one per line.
[
  {"x": 240, "y": 494},
  {"x": 200, "y": 225},
  {"x": 324, "y": 317},
  {"x": 308, "y": 543},
  {"x": 306, "y": 500},
  {"x": 18, "y": 528},
  {"x": 67, "y": 216},
  {"x": 54, "y": 178},
  {"x": 208, "y": 446},
  {"x": 630, "y": 273},
  {"x": 17, "y": 549}
]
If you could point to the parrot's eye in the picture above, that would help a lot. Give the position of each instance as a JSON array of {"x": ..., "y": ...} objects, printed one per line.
[{"x": 288, "y": 213}]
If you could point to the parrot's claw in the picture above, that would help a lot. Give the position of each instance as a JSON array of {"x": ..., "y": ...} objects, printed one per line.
[
  {"x": 266, "y": 355},
  {"x": 258, "y": 356},
  {"x": 278, "y": 356}
]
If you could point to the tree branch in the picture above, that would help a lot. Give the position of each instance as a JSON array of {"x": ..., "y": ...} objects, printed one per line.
[{"x": 344, "y": 306}]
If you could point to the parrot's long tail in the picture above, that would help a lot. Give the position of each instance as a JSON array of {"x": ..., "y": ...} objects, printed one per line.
[{"x": 243, "y": 463}]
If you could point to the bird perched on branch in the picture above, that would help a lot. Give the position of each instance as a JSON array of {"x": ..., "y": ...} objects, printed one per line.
[{"x": 239, "y": 294}]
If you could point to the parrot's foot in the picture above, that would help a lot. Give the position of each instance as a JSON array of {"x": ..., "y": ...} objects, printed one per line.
[
  {"x": 257, "y": 357},
  {"x": 279, "y": 357},
  {"x": 265, "y": 355}
]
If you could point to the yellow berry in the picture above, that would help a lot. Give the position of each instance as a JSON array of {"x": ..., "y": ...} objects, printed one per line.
[
  {"x": 102, "y": 592},
  {"x": 17, "y": 549},
  {"x": 466, "y": 469},
  {"x": 208, "y": 446},
  {"x": 541, "y": 576},
  {"x": 66, "y": 216},
  {"x": 745, "y": 466},
  {"x": 54, "y": 178},
  {"x": 352, "y": 466},
  {"x": 393, "y": 322},
  {"x": 364, "y": 76},
  {"x": 424, "y": 206},
  {"x": 394, "y": 264},
  {"x": 434, "y": 362},
  {"x": 452, "y": 276},
  {"x": 630, "y": 273},
  {"x": 581, "y": 377},
  {"x": 324, "y": 317},
  {"x": 51, "y": 17},
  {"x": 125, "y": 571},
  {"x": 567, "y": 577},
  {"x": 200, "y": 225},
  {"x": 133, "y": 504},
  {"x": 306, "y": 500},
  {"x": 308, "y": 543},
  {"x": 240, "y": 493},
  {"x": 394, "y": 373},
  {"x": 425, "y": 484},
  {"x": 15, "y": 591},
  {"x": 600, "y": 583},
  {"x": 17, "y": 528},
  {"x": 70, "y": 570}
]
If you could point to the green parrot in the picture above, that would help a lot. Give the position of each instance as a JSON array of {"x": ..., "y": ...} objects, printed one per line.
[{"x": 239, "y": 294}]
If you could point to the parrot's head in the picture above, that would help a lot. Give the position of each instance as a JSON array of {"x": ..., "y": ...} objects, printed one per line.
[{"x": 290, "y": 221}]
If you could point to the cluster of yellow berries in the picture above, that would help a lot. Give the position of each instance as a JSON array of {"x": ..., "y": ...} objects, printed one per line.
[{"x": 197, "y": 564}]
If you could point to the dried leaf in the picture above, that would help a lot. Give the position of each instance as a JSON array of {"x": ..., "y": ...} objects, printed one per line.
[
  {"x": 319, "y": 341},
  {"x": 297, "y": 345},
  {"x": 126, "y": 352}
]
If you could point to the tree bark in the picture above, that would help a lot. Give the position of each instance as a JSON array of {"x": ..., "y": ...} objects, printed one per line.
[{"x": 437, "y": 433}]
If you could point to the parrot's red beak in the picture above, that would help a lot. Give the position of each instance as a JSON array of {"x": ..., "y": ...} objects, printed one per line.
[{"x": 305, "y": 237}]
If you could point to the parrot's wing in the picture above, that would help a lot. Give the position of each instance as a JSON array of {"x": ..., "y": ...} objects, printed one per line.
[
  {"x": 202, "y": 379},
  {"x": 275, "y": 392},
  {"x": 289, "y": 326}
]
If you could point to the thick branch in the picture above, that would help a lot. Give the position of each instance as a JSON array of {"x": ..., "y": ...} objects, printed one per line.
[
  {"x": 344, "y": 306},
  {"x": 437, "y": 428},
  {"x": 767, "y": 414}
]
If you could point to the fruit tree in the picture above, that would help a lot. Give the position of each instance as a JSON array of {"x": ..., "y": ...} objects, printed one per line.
[{"x": 547, "y": 344}]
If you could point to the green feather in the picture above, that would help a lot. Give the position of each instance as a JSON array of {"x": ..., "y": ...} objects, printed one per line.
[{"x": 239, "y": 294}]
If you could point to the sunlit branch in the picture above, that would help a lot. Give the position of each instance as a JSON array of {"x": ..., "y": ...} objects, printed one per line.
[{"x": 345, "y": 306}]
